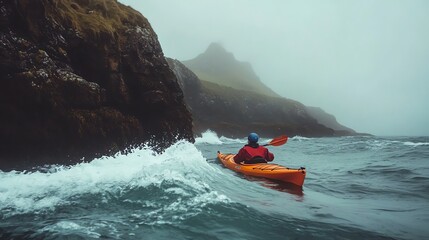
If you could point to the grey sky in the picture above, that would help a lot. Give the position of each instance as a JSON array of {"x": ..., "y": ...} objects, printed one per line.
[{"x": 364, "y": 61}]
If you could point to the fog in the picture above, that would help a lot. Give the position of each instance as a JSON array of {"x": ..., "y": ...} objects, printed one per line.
[{"x": 364, "y": 61}]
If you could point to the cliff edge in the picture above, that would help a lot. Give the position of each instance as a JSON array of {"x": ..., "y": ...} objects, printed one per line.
[{"x": 81, "y": 79}]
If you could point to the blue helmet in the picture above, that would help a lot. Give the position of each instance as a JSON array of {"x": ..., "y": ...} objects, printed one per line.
[{"x": 253, "y": 138}]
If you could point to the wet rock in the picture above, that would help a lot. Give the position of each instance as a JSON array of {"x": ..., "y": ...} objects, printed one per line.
[{"x": 81, "y": 79}]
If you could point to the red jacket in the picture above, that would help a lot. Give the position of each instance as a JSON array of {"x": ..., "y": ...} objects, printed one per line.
[{"x": 249, "y": 152}]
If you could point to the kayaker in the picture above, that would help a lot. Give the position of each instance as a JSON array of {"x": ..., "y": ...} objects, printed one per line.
[{"x": 253, "y": 152}]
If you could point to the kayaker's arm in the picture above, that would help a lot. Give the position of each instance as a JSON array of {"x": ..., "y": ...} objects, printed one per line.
[
  {"x": 269, "y": 156},
  {"x": 239, "y": 157}
]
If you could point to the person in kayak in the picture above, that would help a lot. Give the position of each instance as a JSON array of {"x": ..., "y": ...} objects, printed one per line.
[{"x": 253, "y": 152}]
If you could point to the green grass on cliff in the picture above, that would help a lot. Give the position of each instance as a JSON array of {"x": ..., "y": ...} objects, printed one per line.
[
  {"x": 237, "y": 78},
  {"x": 238, "y": 95},
  {"x": 93, "y": 17}
]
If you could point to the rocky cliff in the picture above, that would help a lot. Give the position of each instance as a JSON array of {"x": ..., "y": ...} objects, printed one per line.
[
  {"x": 235, "y": 113},
  {"x": 81, "y": 78}
]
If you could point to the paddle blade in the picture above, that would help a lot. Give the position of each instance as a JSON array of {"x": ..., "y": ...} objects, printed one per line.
[{"x": 278, "y": 141}]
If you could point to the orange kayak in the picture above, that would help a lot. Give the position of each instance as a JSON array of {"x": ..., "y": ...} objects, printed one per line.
[{"x": 266, "y": 170}]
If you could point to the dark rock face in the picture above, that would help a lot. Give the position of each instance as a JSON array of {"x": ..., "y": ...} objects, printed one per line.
[
  {"x": 82, "y": 79},
  {"x": 235, "y": 113}
]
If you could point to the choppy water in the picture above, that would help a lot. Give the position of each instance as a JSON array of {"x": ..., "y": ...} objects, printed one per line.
[{"x": 356, "y": 188}]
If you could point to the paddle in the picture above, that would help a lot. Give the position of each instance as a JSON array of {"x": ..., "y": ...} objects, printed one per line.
[{"x": 278, "y": 141}]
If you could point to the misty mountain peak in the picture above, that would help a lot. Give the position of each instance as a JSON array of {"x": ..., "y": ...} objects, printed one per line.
[
  {"x": 216, "y": 52},
  {"x": 215, "y": 47},
  {"x": 219, "y": 66}
]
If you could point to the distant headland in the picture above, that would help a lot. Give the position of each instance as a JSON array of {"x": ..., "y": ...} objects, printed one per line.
[{"x": 226, "y": 95}]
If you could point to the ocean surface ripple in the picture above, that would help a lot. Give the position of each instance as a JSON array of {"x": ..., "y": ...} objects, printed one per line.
[{"x": 359, "y": 187}]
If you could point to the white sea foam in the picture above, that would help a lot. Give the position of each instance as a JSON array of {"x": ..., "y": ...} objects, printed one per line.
[
  {"x": 233, "y": 140},
  {"x": 68, "y": 226},
  {"x": 211, "y": 137},
  {"x": 208, "y": 137},
  {"x": 299, "y": 138},
  {"x": 380, "y": 144},
  {"x": 413, "y": 144},
  {"x": 22, "y": 192}
]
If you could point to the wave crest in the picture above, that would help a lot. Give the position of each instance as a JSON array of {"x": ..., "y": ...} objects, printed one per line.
[
  {"x": 181, "y": 169},
  {"x": 211, "y": 137}
]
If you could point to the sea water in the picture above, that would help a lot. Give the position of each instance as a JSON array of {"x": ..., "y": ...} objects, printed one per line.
[{"x": 356, "y": 188}]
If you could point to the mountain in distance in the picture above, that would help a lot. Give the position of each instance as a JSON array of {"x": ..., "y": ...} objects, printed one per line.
[
  {"x": 234, "y": 113},
  {"x": 219, "y": 66}
]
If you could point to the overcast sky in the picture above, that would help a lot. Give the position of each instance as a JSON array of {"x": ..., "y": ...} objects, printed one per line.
[{"x": 364, "y": 61}]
